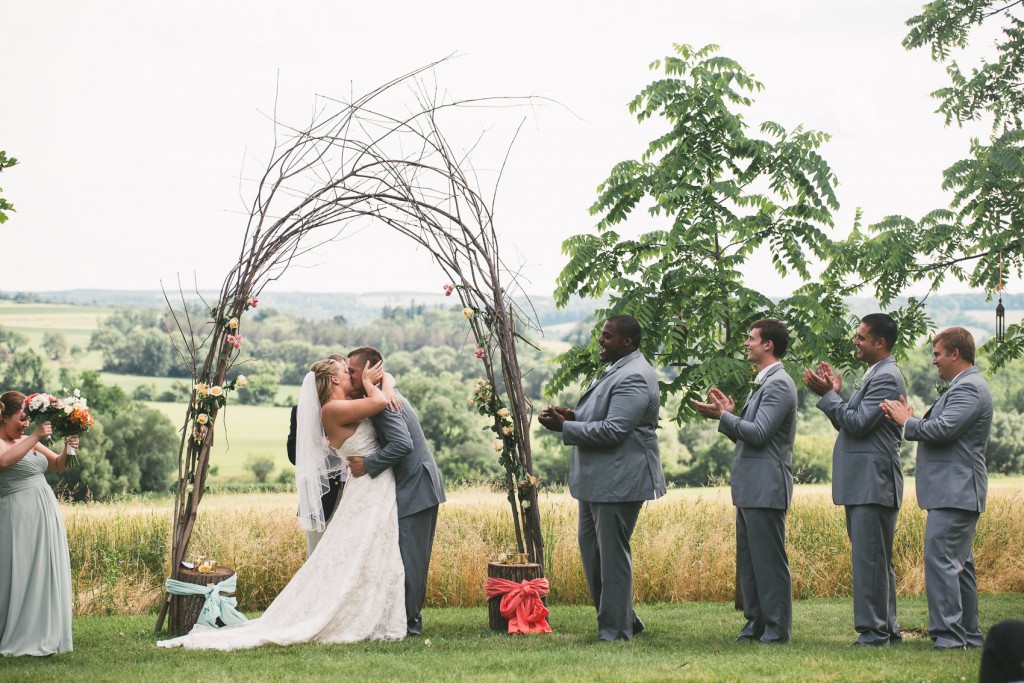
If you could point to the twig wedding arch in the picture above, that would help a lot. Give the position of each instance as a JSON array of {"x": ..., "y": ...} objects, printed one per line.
[{"x": 355, "y": 161}]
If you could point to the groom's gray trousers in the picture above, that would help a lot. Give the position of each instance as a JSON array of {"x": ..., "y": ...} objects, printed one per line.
[
  {"x": 415, "y": 540},
  {"x": 604, "y": 532}
]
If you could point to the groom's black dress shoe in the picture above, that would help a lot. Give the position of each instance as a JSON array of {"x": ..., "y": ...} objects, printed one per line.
[{"x": 638, "y": 626}]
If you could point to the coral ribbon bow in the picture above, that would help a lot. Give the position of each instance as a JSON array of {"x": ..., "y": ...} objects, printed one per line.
[{"x": 521, "y": 604}]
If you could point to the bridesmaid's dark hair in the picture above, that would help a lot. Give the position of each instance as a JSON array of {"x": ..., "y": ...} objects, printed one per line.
[{"x": 11, "y": 403}]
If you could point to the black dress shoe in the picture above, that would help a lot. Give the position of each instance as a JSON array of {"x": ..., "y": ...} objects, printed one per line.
[
  {"x": 638, "y": 626},
  {"x": 746, "y": 639},
  {"x": 871, "y": 643},
  {"x": 950, "y": 647}
]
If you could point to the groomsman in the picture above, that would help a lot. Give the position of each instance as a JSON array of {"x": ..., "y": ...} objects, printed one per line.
[
  {"x": 762, "y": 482},
  {"x": 615, "y": 467},
  {"x": 952, "y": 483},
  {"x": 866, "y": 474}
]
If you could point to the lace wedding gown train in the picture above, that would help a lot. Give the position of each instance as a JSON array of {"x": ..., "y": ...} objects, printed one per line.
[{"x": 350, "y": 589}]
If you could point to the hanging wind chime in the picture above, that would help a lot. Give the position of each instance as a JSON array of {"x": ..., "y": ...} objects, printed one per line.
[{"x": 1000, "y": 310}]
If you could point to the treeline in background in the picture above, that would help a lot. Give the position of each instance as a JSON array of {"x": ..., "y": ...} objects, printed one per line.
[{"x": 123, "y": 361}]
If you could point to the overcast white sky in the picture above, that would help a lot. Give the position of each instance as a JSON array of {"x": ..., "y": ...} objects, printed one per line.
[{"x": 131, "y": 120}]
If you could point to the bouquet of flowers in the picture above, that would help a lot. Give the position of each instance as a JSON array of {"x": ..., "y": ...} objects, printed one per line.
[
  {"x": 42, "y": 407},
  {"x": 69, "y": 416}
]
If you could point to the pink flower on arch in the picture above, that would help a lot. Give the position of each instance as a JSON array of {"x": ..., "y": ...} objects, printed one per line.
[
  {"x": 234, "y": 340},
  {"x": 448, "y": 289},
  {"x": 480, "y": 353}
]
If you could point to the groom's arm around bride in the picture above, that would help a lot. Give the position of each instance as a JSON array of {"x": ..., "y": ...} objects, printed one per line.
[{"x": 418, "y": 487}]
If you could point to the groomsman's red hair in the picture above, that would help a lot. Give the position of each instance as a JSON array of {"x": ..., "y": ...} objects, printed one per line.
[{"x": 957, "y": 339}]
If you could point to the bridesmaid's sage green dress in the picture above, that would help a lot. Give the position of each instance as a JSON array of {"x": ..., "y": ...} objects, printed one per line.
[{"x": 35, "y": 566}]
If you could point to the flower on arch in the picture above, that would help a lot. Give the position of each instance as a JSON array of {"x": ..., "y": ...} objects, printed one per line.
[
  {"x": 448, "y": 289},
  {"x": 468, "y": 313},
  {"x": 233, "y": 324},
  {"x": 480, "y": 353}
]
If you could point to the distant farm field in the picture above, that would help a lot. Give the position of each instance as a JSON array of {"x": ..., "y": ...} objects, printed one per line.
[
  {"x": 241, "y": 431},
  {"x": 76, "y": 323}
]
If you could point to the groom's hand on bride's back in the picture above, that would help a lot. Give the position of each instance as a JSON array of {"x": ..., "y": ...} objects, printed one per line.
[{"x": 355, "y": 466}]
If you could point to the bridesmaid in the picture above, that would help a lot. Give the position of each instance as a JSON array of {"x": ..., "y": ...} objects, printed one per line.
[{"x": 35, "y": 565}]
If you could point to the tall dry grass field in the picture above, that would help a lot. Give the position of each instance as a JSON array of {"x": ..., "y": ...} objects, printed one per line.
[{"x": 683, "y": 547}]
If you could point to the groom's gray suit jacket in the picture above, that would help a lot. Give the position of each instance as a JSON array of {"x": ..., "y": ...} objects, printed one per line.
[
  {"x": 762, "y": 467},
  {"x": 953, "y": 437},
  {"x": 615, "y": 456},
  {"x": 404, "y": 449},
  {"x": 866, "y": 458}
]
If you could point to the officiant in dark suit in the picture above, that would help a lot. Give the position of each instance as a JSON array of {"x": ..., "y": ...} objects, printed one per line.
[
  {"x": 866, "y": 474},
  {"x": 615, "y": 467},
  {"x": 952, "y": 485},
  {"x": 762, "y": 482}
]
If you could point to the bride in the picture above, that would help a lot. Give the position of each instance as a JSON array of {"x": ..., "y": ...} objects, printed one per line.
[{"x": 352, "y": 587}]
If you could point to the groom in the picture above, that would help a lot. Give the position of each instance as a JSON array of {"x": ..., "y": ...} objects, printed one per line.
[{"x": 417, "y": 486}]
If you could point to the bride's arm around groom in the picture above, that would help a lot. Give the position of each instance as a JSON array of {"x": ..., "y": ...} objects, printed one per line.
[{"x": 418, "y": 487}]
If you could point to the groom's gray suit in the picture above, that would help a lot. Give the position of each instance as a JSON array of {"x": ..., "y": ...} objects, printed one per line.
[
  {"x": 615, "y": 466},
  {"x": 867, "y": 479},
  {"x": 419, "y": 491},
  {"x": 762, "y": 488},
  {"x": 952, "y": 484}
]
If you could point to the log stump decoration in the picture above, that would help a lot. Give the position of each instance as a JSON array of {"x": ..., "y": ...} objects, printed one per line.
[
  {"x": 185, "y": 609},
  {"x": 511, "y": 572}
]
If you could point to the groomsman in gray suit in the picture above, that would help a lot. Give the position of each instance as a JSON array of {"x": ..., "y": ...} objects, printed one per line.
[
  {"x": 866, "y": 474},
  {"x": 762, "y": 482},
  {"x": 418, "y": 486},
  {"x": 615, "y": 467},
  {"x": 952, "y": 483}
]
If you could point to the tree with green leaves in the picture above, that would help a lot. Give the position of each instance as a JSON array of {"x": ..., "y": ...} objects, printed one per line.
[
  {"x": 979, "y": 237},
  {"x": 5, "y": 206},
  {"x": 55, "y": 344},
  {"x": 714, "y": 192}
]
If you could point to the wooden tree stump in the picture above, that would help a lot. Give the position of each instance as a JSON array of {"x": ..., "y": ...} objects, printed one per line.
[
  {"x": 185, "y": 609},
  {"x": 511, "y": 572}
]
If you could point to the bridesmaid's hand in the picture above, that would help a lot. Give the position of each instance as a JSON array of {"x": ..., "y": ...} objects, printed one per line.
[
  {"x": 71, "y": 441},
  {"x": 44, "y": 431}
]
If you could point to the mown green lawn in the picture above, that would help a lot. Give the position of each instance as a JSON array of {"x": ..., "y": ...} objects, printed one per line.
[{"x": 683, "y": 641}]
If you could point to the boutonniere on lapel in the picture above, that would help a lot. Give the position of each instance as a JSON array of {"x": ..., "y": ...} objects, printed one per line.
[
  {"x": 600, "y": 376},
  {"x": 941, "y": 388},
  {"x": 859, "y": 384},
  {"x": 755, "y": 385}
]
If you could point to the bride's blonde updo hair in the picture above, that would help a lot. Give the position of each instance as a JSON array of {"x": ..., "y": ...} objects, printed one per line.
[
  {"x": 11, "y": 404},
  {"x": 323, "y": 370}
]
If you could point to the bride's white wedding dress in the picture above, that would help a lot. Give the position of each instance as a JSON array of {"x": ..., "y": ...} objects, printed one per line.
[{"x": 351, "y": 588}]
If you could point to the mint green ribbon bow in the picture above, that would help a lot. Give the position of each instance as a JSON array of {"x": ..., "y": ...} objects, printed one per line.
[{"x": 217, "y": 603}]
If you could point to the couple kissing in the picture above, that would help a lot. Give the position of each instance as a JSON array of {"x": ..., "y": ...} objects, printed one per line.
[{"x": 366, "y": 575}]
